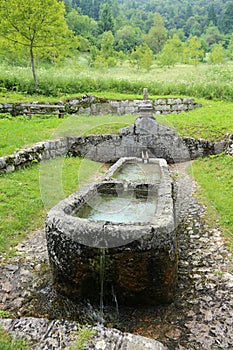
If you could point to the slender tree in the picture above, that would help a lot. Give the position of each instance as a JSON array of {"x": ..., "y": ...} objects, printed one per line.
[
  {"x": 193, "y": 52},
  {"x": 106, "y": 22},
  {"x": 142, "y": 57},
  {"x": 171, "y": 53},
  {"x": 216, "y": 56},
  {"x": 157, "y": 35},
  {"x": 37, "y": 27}
]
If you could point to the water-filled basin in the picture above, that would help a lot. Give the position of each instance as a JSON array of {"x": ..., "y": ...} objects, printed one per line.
[
  {"x": 132, "y": 219},
  {"x": 138, "y": 172},
  {"x": 120, "y": 204}
]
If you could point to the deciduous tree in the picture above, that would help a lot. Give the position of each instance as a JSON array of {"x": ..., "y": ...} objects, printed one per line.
[
  {"x": 157, "y": 35},
  {"x": 216, "y": 56},
  {"x": 142, "y": 57},
  {"x": 193, "y": 52},
  {"x": 171, "y": 52},
  {"x": 37, "y": 27},
  {"x": 127, "y": 38}
]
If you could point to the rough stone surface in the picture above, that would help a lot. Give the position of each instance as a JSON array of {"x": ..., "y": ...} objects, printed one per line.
[
  {"x": 200, "y": 318},
  {"x": 113, "y": 339},
  {"x": 146, "y": 134},
  {"x": 98, "y": 106},
  {"x": 141, "y": 257},
  {"x": 229, "y": 144}
]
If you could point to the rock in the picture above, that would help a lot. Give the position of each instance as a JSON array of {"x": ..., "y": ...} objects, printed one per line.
[
  {"x": 174, "y": 334},
  {"x": 113, "y": 339}
]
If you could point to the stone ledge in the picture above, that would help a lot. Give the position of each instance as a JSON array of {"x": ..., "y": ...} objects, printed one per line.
[
  {"x": 92, "y": 105},
  {"x": 45, "y": 334}
]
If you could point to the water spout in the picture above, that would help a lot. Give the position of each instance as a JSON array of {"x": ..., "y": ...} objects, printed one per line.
[
  {"x": 145, "y": 157},
  {"x": 125, "y": 186}
]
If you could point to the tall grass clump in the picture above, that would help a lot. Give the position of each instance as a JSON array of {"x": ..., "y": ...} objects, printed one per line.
[{"x": 204, "y": 81}]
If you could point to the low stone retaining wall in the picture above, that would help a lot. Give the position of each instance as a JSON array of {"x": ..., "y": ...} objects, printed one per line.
[
  {"x": 36, "y": 153},
  {"x": 109, "y": 148},
  {"x": 92, "y": 105}
]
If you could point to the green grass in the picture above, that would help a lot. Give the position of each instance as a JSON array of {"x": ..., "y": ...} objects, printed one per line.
[
  {"x": 203, "y": 81},
  {"x": 212, "y": 121},
  {"x": 19, "y": 132},
  {"x": 215, "y": 177},
  {"x": 84, "y": 334},
  {"x": 23, "y": 196},
  {"x": 8, "y": 342}
]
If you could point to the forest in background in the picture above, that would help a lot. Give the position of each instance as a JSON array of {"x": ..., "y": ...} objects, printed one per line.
[
  {"x": 153, "y": 24},
  {"x": 108, "y": 33}
]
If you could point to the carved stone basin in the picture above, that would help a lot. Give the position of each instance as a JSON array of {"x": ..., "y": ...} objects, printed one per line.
[{"x": 127, "y": 219}]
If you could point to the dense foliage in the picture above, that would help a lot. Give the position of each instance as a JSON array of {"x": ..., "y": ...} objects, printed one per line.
[
  {"x": 152, "y": 23},
  {"x": 192, "y": 16},
  {"x": 110, "y": 32}
]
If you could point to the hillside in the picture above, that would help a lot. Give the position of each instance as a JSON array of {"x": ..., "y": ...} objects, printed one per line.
[{"x": 192, "y": 16}]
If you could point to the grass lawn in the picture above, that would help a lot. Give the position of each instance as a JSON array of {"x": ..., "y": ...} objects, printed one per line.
[
  {"x": 215, "y": 178},
  {"x": 22, "y": 205},
  {"x": 18, "y": 132},
  {"x": 212, "y": 121}
]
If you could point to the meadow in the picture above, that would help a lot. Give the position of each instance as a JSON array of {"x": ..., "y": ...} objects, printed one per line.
[
  {"x": 75, "y": 76},
  {"x": 22, "y": 207}
]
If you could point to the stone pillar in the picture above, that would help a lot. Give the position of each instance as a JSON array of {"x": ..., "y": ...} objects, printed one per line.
[{"x": 145, "y": 94}]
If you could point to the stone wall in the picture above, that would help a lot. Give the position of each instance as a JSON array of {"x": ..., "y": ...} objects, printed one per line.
[
  {"x": 162, "y": 142},
  {"x": 99, "y": 106},
  {"x": 41, "y": 150}
]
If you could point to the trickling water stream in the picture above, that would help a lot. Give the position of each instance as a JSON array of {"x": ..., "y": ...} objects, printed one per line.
[{"x": 102, "y": 275}]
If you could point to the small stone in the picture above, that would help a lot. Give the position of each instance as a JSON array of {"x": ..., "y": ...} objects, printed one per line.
[
  {"x": 12, "y": 268},
  {"x": 208, "y": 316},
  {"x": 174, "y": 334},
  {"x": 7, "y": 287}
]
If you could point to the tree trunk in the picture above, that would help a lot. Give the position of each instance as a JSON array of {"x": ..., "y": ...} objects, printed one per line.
[{"x": 33, "y": 68}]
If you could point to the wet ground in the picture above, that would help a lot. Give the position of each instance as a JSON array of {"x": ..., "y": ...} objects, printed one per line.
[{"x": 201, "y": 316}]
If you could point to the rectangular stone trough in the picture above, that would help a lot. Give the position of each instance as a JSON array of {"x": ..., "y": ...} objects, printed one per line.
[{"x": 120, "y": 232}]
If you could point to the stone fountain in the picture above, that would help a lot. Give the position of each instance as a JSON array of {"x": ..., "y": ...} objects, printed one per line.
[{"x": 117, "y": 238}]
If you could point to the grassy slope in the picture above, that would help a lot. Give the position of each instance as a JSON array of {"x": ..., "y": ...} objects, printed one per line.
[
  {"x": 212, "y": 121},
  {"x": 215, "y": 176}
]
